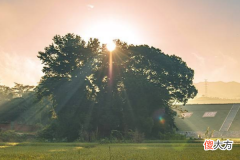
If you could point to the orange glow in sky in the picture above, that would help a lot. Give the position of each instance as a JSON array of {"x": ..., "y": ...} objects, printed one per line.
[{"x": 204, "y": 33}]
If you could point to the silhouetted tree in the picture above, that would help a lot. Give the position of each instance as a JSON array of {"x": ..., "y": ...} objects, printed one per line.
[
  {"x": 88, "y": 97},
  {"x": 6, "y": 93},
  {"x": 19, "y": 89}
]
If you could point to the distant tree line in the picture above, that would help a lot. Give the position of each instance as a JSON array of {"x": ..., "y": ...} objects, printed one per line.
[{"x": 19, "y": 104}]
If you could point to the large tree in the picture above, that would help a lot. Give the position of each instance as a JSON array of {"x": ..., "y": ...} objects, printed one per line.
[{"x": 131, "y": 91}]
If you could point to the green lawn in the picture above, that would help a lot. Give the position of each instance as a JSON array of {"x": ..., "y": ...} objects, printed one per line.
[{"x": 129, "y": 151}]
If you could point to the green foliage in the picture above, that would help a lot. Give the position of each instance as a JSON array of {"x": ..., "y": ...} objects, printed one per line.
[
  {"x": 87, "y": 136},
  {"x": 136, "y": 136},
  {"x": 12, "y": 136},
  {"x": 116, "y": 134},
  {"x": 49, "y": 132},
  {"x": 171, "y": 136},
  {"x": 19, "y": 90},
  {"x": 209, "y": 134},
  {"x": 8, "y": 136},
  {"x": 89, "y": 94},
  {"x": 104, "y": 141},
  {"x": 6, "y": 93},
  {"x": 26, "y": 110}
]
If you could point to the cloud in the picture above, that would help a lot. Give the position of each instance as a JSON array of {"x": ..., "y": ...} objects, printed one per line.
[
  {"x": 19, "y": 68},
  {"x": 90, "y": 6}
]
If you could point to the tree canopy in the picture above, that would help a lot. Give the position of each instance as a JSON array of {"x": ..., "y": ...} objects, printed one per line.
[{"x": 95, "y": 90}]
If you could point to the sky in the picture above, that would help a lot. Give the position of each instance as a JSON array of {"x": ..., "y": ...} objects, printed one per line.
[{"x": 205, "y": 33}]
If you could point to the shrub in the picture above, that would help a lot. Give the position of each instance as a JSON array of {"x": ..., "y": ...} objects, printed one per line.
[
  {"x": 12, "y": 136},
  {"x": 85, "y": 136},
  {"x": 8, "y": 136},
  {"x": 171, "y": 136},
  {"x": 116, "y": 136},
  {"x": 136, "y": 136},
  {"x": 104, "y": 141},
  {"x": 47, "y": 133}
]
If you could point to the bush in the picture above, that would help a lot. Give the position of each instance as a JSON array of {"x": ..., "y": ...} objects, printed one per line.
[
  {"x": 171, "y": 136},
  {"x": 85, "y": 136},
  {"x": 12, "y": 136},
  {"x": 8, "y": 136},
  {"x": 136, "y": 136},
  {"x": 47, "y": 133},
  {"x": 104, "y": 141},
  {"x": 116, "y": 136}
]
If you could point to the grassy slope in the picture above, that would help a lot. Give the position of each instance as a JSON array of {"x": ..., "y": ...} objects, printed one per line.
[
  {"x": 197, "y": 123},
  {"x": 236, "y": 123},
  {"x": 152, "y": 151}
]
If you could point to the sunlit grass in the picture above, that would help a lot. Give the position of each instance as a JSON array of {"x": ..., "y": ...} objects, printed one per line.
[
  {"x": 152, "y": 151},
  {"x": 4, "y": 146},
  {"x": 12, "y": 144},
  {"x": 57, "y": 150},
  {"x": 78, "y": 147}
]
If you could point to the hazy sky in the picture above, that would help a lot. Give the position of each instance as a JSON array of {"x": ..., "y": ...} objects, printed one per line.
[{"x": 205, "y": 33}]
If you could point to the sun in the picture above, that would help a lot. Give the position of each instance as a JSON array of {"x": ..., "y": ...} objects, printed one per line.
[{"x": 111, "y": 46}]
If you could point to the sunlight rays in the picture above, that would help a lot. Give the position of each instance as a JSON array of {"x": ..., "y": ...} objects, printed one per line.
[
  {"x": 76, "y": 84},
  {"x": 110, "y": 72},
  {"x": 118, "y": 57}
]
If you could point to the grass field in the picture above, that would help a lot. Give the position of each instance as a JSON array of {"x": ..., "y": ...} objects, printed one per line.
[{"x": 129, "y": 151}]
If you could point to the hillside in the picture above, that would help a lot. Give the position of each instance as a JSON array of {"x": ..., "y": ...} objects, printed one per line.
[
  {"x": 217, "y": 92},
  {"x": 229, "y": 90}
]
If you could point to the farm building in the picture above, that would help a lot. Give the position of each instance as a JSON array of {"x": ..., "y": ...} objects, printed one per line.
[{"x": 224, "y": 119}]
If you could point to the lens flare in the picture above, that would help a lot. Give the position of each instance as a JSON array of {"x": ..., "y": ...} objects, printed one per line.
[{"x": 161, "y": 120}]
